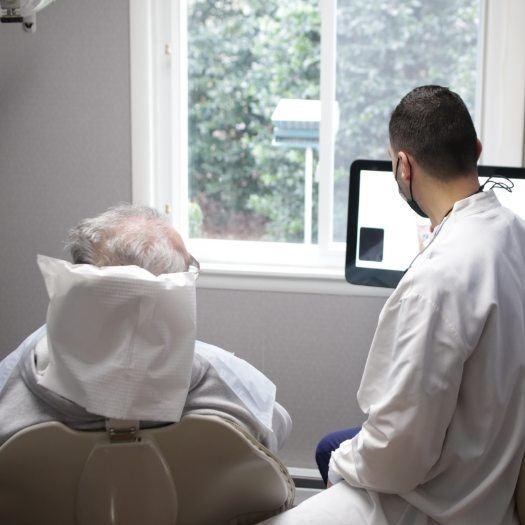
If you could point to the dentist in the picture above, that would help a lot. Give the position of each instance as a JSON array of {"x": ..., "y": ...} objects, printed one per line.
[{"x": 443, "y": 390}]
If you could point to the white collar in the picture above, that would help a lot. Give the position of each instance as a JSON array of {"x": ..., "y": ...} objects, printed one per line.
[{"x": 476, "y": 203}]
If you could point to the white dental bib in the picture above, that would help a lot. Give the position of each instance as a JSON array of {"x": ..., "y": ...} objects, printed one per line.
[{"x": 120, "y": 339}]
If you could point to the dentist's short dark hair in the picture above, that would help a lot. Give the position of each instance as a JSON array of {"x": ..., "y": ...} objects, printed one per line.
[{"x": 432, "y": 124}]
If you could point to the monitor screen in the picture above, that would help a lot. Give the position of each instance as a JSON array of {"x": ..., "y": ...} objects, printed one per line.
[{"x": 384, "y": 234}]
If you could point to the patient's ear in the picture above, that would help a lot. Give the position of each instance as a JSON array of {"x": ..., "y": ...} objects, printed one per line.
[{"x": 179, "y": 245}]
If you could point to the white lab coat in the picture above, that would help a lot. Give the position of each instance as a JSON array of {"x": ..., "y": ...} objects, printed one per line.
[{"x": 443, "y": 387}]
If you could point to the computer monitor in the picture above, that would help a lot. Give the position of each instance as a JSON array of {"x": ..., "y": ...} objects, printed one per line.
[{"x": 384, "y": 234}]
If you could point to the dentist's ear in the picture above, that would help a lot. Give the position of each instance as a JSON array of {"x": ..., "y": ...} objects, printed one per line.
[
  {"x": 479, "y": 148},
  {"x": 405, "y": 168}
]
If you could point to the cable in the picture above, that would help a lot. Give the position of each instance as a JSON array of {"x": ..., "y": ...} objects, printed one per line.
[{"x": 498, "y": 185}]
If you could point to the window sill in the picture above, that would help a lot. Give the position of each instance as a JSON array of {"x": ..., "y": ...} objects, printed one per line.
[{"x": 322, "y": 281}]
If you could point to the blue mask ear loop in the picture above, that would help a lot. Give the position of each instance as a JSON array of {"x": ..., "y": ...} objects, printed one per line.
[
  {"x": 395, "y": 177},
  {"x": 412, "y": 202},
  {"x": 410, "y": 185},
  {"x": 397, "y": 165},
  {"x": 410, "y": 188}
]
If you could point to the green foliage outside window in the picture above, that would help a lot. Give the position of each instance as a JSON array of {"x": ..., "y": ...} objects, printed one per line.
[
  {"x": 245, "y": 55},
  {"x": 386, "y": 48}
]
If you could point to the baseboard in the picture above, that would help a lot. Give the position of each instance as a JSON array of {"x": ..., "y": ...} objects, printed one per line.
[{"x": 308, "y": 483}]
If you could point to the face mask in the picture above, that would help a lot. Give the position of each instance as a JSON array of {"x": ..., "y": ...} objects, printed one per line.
[{"x": 411, "y": 202}]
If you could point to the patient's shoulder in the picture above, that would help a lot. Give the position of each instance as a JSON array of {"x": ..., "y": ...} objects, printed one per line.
[{"x": 199, "y": 370}]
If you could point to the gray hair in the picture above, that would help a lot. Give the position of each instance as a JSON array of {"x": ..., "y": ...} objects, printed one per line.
[{"x": 128, "y": 235}]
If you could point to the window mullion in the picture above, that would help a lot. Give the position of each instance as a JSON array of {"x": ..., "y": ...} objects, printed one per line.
[
  {"x": 142, "y": 126},
  {"x": 179, "y": 116},
  {"x": 328, "y": 122},
  {"x": 480, "y": 66}
]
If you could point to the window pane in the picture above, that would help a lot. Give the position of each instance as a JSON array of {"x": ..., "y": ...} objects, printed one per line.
[
  {"x": 244, "y": 57},
  {"x": 384, "y": 49}
]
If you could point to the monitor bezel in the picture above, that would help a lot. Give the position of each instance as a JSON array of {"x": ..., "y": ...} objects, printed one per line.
[{"x": 373, "y": 276}]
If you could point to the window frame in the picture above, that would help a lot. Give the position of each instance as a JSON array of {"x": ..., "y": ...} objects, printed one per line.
[{"x": 158, "y": 69}]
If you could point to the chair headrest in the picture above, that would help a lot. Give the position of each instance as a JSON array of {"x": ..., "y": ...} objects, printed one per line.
[{"x": 120, "y": 339}]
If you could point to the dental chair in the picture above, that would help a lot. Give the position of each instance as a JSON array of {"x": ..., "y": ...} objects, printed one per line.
[
  {"x": 520, "y": 494},
  {"x": 204, "y": 470}
]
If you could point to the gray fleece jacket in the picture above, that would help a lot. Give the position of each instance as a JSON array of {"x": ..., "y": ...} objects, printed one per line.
[{"x": 23, "y": 402}]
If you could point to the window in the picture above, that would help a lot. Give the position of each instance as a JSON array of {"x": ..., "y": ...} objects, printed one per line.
[
  {"x": 252, "y": 187},
  {"x": 244, "y": 57},
  {"x": 384, "y": 49}
]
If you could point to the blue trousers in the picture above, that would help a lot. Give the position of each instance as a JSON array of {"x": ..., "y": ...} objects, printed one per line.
[{"x": 330, "y": 443}]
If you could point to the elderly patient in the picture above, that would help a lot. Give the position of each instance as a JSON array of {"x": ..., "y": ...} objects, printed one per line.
[{"x": 129, "y": 236}]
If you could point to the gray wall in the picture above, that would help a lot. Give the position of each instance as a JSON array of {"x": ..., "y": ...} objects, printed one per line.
[
  {"x": 65, "y": 154},
  {"x": 65, "y": 149},
  {"x": 313, "y": 347}
]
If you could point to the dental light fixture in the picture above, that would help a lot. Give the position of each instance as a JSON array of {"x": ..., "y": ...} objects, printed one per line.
[{"x": 22, "y": 12}]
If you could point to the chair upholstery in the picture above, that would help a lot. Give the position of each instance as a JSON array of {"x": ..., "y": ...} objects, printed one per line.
[
  {"x": 520, "y": 494},
  {"x": 205, "y": 470}
]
